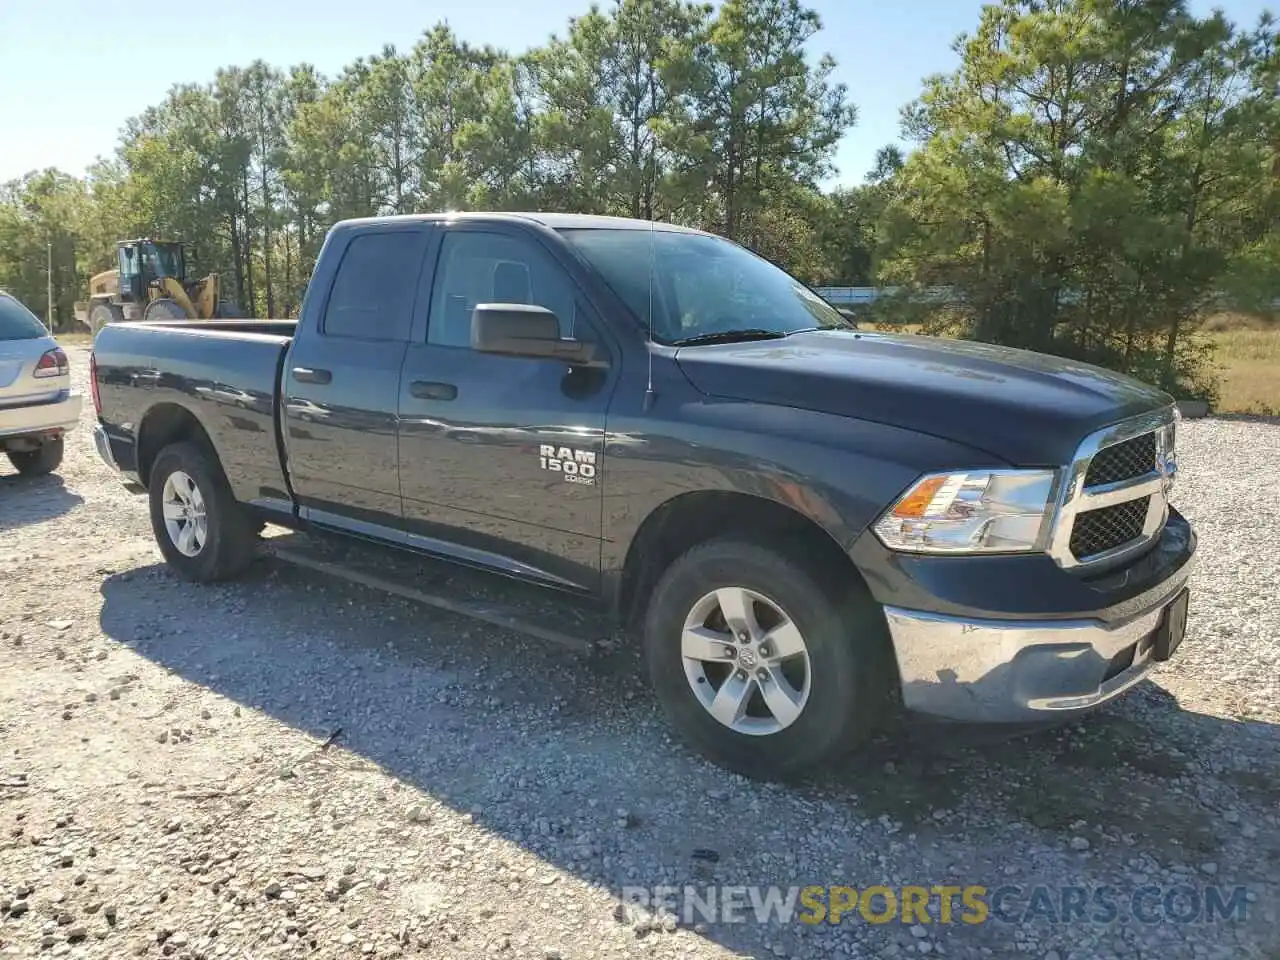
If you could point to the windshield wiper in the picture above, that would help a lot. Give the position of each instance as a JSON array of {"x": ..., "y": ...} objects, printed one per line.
[{"x": 730, "y": 336}]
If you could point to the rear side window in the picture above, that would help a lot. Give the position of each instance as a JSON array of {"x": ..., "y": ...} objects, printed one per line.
[
  {"x": 372, "y": 295},
  {"x": 17, "y": 322}
]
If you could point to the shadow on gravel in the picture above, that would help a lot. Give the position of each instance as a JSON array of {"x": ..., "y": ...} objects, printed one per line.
[
  {"x": 568, "y": 757},
  {"x": 28, "y": 500}
]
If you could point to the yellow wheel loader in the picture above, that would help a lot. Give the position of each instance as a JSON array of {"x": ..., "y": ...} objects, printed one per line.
[{"x": 150, "y": 283}]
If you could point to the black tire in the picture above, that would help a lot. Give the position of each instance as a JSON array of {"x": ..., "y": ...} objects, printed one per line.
[
  {"x": 847, "y": 642},
  {"x": 164, "y": 309},
  {"x": 227, "y": 310},
  {"x": 46, "y": 458},
  {"x": 101, "y": 314},
  {"x": 228, "y": 548}
]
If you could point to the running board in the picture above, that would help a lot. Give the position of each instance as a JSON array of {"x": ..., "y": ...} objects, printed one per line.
[{"x": 398, "y": 573}]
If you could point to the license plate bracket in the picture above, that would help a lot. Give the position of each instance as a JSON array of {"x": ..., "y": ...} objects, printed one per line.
[{"x": 1172, "y": 628}]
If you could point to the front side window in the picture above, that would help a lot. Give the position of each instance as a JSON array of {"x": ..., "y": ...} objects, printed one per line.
[
  {"x": 478, "y": 267},
  {"x": 372, "y": 294},
  {"x": 698, "y": 285}
]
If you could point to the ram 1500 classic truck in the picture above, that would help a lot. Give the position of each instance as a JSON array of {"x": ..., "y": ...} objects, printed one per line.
[{"x": 808, "y": 523}]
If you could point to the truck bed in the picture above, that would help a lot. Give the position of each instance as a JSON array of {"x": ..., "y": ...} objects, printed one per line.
[{"x": 225, "y": 373}]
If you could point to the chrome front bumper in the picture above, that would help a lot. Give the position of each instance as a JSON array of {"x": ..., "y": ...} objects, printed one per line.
[
  {"x": 1000, "y": 671},
  {"x": 63, "y": 414}
]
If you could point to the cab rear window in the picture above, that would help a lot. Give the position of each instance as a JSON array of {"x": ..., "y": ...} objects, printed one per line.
[{"x": 17, "y": 322}]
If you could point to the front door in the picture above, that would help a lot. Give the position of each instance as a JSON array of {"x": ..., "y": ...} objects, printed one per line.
[
  {"x": 341, "y": 382},
  {"x": 131, "y": 285},
  {"x": 501, "y": 457}
]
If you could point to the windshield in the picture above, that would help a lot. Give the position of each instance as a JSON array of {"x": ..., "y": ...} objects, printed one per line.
[
  {"x": 703, "y": 285},
  {"x": 17, "y": 322},
  {"x": 162, "y": 260}
]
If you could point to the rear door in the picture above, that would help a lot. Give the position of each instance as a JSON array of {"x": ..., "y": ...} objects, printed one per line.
[{"x": 341, "y": 380}]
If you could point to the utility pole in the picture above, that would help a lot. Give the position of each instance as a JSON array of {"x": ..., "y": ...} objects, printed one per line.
[{"x": 49, "y": 302}]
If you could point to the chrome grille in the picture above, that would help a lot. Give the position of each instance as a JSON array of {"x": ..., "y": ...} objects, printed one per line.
[
  {"x": 1097, "y": 531},
  {"x": 1123, "y": 461},
  {"x": 1114, "y": 497}
]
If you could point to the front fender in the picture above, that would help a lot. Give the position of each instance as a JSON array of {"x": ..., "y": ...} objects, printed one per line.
[{"x": 838, "y": 472}]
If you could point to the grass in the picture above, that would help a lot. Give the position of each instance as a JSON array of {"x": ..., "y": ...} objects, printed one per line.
[
  {"x": 1234, "y": 320},
  {"x": 1248, "y": 363}
]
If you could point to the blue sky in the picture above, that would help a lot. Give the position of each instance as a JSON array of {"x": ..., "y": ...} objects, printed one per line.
[{"x": 72, "y": 72}]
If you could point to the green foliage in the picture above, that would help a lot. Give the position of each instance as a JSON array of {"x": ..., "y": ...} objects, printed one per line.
[
  {"x": 754, "y": 116},
  {"x": 49, "y": 218},
  {"x": 1093, "y": 177}
]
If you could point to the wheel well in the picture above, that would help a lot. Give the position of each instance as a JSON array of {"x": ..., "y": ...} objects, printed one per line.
[
  {"x": 164, "y": 424},
  {"x": 693, "y": 518}
]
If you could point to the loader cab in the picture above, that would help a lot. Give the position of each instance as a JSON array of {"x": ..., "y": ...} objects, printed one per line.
[{"x": 142, "y": 262}]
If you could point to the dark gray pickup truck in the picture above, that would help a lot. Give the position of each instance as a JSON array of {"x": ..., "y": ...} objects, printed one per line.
[{"x": 813, "y": 527}]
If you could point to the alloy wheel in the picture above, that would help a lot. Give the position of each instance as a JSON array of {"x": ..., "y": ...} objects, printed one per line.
[
  {"x": 746, "y": 661},
  {"x": 184, "y": 514}
]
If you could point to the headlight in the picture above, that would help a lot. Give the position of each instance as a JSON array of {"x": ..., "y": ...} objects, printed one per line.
[{"x": 987, "y": 511}]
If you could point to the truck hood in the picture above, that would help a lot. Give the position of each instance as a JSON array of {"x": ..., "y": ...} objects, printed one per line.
[{"x": 1026, "y": 408}]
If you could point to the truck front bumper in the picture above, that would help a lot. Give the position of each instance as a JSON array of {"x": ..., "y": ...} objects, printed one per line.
[
  {"x": 1048, "y": 646},
  {"x": 59, "y": 415},
  {"x": 1026, "y": 671}
]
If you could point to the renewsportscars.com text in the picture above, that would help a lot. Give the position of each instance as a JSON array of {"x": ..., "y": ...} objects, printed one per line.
[{"x": 942, "y": 904}]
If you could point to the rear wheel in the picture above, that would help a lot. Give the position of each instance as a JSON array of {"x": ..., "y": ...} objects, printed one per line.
[
  {"x": 45, "y": 458},
  {"x": 760, "y": 664},
  {"x": 229, "y": 311},
  {"x": 202, "y": 531},
  {"x": 101, "y": 314},
  {"x": 164, "y": 309}
]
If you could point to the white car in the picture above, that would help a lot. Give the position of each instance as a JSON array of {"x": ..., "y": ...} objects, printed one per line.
[{"x": 37, "y": 405}]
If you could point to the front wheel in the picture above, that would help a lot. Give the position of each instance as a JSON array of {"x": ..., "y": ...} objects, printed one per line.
[
  {"x": 201, "y": 529},
  {"x": 164, "y": 309},
  {"x": 45, "y": 458},
  {"x": 761, "y": 666}
]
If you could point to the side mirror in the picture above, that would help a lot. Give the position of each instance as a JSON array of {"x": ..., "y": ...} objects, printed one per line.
[{"x": 524, "y": 330}]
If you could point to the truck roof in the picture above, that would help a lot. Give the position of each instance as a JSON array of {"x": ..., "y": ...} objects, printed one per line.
[{"x": 556, "y": 221}]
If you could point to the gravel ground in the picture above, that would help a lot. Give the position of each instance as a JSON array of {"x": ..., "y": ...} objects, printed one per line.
[{"x": 290, "y": 765}]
